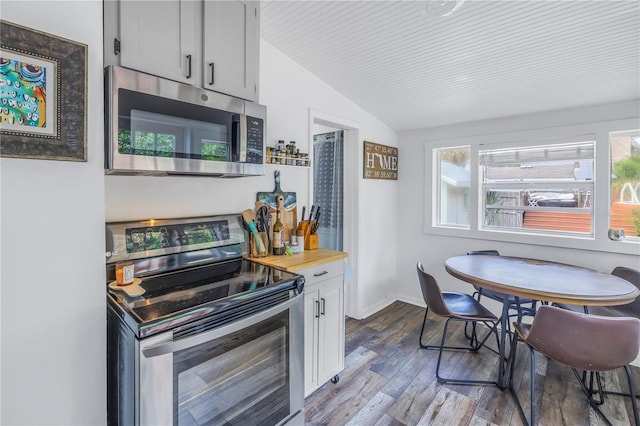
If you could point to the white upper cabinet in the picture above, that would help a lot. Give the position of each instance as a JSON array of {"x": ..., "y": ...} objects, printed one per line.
[
  {"x": 159, "y": 37},
  {"x": 231, "y": 46},
  {"x": 209, "y": 43}
]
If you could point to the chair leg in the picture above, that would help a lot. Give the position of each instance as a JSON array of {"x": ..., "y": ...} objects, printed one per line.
[
  {"x": 474, "y": 344},
  {"x": 533, "y": 387},
  {"x": 594, "y": 404},
  {"x": 512, "y": 359},
  {"x": 469, "y": 334},
  {"x": 601, "y": 392},
  {"x": 444, "y": 336},
  {"x": 632, "y": 392},
  {"x": 478, "y": 344},
  {"x": 424, "y": 322},
  {"x": 600, "y": 387},
  {"x": 442, "y": 346}
]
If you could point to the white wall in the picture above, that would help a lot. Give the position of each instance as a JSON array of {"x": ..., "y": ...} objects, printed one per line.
[
  {"x": 52, "y": 278},
  {"x": 414, "y": 245},
  {"x": 290, "y": 92}
]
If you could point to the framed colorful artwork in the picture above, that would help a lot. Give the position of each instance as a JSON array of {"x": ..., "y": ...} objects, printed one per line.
[{"x": 43, "y": 95}]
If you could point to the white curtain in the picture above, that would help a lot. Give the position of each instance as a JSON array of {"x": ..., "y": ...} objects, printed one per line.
[{"x": 328, "y": 184}]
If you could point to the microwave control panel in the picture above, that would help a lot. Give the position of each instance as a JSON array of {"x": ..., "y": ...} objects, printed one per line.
[{"x": 255, "y": 141}]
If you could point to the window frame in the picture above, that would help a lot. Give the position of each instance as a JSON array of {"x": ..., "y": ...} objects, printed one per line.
[{"x": 597, "y": 241}]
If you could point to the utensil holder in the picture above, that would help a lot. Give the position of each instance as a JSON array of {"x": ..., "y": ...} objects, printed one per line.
[
  {"x": 253, "y": 251},
  {"x": 311, "y": 242}
]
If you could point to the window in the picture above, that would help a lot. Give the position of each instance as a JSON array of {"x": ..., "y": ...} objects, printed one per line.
[
  {"x": 538, "y": 188},
  {"x": 625, "y": 182},
  {"x": 453, "y": 186},
  {"x": 574, "y": 186}
]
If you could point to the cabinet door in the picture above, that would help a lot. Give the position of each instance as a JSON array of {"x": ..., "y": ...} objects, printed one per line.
[
  {"x": 231, "y": 32},
  {"x": 331, "y": 329},
  {"x": 311, "y": 312},
  {"x": 159, "y": 37}
]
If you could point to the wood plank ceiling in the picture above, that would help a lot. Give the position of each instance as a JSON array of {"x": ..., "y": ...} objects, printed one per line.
[{"x": 488, "y": 59}]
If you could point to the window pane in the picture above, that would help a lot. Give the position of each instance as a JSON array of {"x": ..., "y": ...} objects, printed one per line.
[
  {"x": 544, "y": 188},
  {"x": 625, "y": 182},
  {"x": 453, "y": 186},
  {"x": 165, "y": 145},
  {"x": 214, "y": 151}
]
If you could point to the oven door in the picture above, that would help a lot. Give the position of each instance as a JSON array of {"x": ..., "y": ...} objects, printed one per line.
[{"x": 249, "y": 371}]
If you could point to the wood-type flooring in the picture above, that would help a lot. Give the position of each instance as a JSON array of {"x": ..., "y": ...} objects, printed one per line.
[{"x": 389, "y": 380}]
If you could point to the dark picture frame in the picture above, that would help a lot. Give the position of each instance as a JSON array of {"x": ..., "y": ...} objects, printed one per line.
[{"x": 43, "y": 95}]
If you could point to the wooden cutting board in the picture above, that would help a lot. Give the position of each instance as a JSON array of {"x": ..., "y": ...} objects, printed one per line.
[{"x": 288, "y": 206}]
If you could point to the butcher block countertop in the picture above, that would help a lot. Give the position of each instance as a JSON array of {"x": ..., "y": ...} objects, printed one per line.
[{"x": 298, "y": 261}]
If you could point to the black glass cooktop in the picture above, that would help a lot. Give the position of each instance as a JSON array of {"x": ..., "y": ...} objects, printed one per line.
[{"x": 178, "y": 297}]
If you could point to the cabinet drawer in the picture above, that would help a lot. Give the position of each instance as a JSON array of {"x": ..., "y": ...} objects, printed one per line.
[{"x": 319, "y": 273}]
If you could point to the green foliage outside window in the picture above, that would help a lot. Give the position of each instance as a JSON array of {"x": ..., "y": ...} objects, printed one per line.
[
  {"x": 628, "y": 169},
  {"x": 124, "y": 142},
  {"x": 490, "y": 215},
  {"x": 636, "y": 219},
  {"x": 146, "y": 143},
  {"x": 213, "y": 152},
  {"x": 161, "y": 145}
]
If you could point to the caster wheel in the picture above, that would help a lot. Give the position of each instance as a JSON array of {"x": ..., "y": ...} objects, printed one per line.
[{"x": 335, "y": 379}]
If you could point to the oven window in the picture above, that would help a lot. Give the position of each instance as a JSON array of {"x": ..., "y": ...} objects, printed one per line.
[{"x": 239, "y": 379}]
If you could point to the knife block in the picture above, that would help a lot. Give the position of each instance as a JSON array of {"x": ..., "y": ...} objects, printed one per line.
[{"x": 311, "y": 242}]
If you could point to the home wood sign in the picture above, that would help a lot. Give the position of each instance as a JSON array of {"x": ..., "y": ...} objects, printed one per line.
[{"x": 380, "y": 161}]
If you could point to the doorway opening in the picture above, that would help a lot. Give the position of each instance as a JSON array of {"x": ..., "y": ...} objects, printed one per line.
[
  {"x": 323, "y": 123},
  {"x": 328, "y": 187}
]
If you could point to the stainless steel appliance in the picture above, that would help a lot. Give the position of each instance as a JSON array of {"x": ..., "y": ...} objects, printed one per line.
[
  {"x": 156, "y": 126},
  {"x": 202, "y": 336}
]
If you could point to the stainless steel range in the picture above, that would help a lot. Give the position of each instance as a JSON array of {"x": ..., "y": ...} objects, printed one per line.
[{"x": 201, "y": 336}]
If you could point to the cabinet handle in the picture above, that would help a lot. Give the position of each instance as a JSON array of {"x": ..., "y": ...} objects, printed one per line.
[
  {"x": 211, "y": 76},
  {"x": 188, "y": 66},
  {"x": 319, "y": 274},
  {"x": 317, "y": 309},
  {"x": 323, "y": 303}
]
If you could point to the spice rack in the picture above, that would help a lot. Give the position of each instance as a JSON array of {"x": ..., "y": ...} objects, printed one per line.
[
  {"x": 287, "y": 155},
  {"x": 288, "y": 161}
]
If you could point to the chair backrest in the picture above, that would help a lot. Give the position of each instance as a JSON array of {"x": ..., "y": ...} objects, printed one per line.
[
  {"x": 485, "y": 252},
  {"x": 431, "y": 293},
  {"x": 583, "y": 341},
  {"x": 633, "y": 276}
]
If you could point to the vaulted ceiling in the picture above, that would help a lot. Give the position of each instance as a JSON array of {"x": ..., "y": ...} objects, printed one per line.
[{"x": 485, "y": 60}]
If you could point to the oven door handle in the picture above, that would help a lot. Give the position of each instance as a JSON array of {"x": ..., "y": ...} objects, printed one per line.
[{"x": 189, "y": 342}]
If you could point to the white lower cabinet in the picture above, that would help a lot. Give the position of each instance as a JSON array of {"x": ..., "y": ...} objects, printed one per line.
[{"x": 324, "y": 333}]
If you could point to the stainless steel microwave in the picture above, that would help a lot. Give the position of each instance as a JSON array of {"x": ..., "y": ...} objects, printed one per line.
[{"x": 155, "y": 126}]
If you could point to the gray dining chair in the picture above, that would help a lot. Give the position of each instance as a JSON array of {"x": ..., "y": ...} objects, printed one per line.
[
  {"x": 581, "y": 342},
  {"x": 629, "y": 310},
  {"x": 454, "y": 307}
]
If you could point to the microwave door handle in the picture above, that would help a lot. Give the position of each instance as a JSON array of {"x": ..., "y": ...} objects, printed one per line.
[
  {"x": 189, "y": 342},
  {"x": 239, "y": 132}
]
